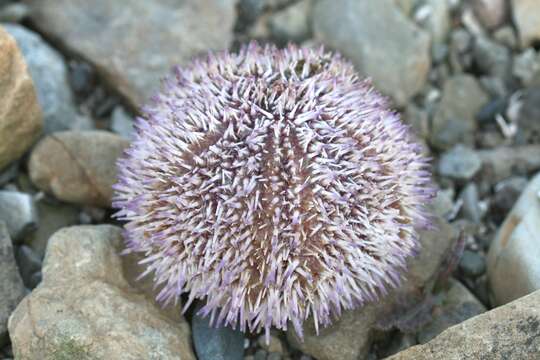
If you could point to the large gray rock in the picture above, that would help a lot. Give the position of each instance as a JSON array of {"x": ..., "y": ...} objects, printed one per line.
[
  {"x": 511, "y": 331},
  {"x": 20, "y": 114},
  {"x": 396, "y": 55},
  {"x": 525, "y": 13},
  {"x": 135, "y": 44},
  {"x": 77, "y": 166},
  {"x": 351, "y": 335},
  {"x": 514, "y": 255},
  {"x": 454, "y": 121},
  {"x": 86, "y": 308},
  {"x": 11, "y": 284},
  {"x": 49, "y": 73}
]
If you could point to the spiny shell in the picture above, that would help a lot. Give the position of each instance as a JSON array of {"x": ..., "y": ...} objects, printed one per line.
[{"x": 275, "y": 184}]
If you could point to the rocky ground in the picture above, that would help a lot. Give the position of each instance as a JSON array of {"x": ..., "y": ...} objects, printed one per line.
[{"x": 464, "y": 74}]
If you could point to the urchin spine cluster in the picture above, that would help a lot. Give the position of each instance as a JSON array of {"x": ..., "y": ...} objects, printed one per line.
[{"x": 276, "y": 185}]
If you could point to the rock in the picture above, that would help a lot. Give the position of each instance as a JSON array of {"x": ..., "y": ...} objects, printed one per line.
[
  {"x": 434, "y": 16},
  {"x": 77, "y": 166},
  {"x": 525, "y": 14},
  {"x": 82, "y": 77},
  {"x": 87, "y": 308},
  {"x": 212, "y": 343},
  {"x": 472, "y": 264},
  {"x": 14, "y": 12},
  {"x": 274, "y": 345},
  {"x": 418, "y": 119},
  {"x": 506, "y": 36},
  {"x": 489, "y": 112},
  {"x": 443, "y": 204},
  {"x": 19, "y": 213},
  {"x": 513, "y": 264},
  {"x": 471, "y": 208},
  {"x": 507, "y": 332},
  {"x": 506, "y": 194},
  {"x": 292, "y": 23},
  {"x": 529, "y": 114},
  {"x": 454, "y": 119},
  {"x": 406, "y": 6},
  {"x": 9, "y": 173},
  {"x": 20, "y": 121},
  {"x": 53, "y": 217},
  {"x": 134, "y": 46},
  {"x": 490, "y": 13},
  {"x": 459, "y": 163},
  {"x": 458, "y": 305},
  {"x": 11, "y": 285},
  {"x": 351, "y": 335},
  {"x": 526, "y": 67},
  {"x": 502, "y": 162},
  {"x": 29, "y": 263},
  {"x": 49, "y": 73},
  {"x": 122, "y": 123},
  {"x": 396, "y": 56},
  {"x": 492, "y": 58}
]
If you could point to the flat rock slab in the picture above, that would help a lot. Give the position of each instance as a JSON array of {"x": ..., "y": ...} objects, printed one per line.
[
  {"x": 511, "y": 331},
  {"x": 133, "y": 45}
]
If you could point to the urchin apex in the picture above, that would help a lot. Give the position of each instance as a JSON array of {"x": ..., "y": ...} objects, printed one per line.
[{"x": 274, "y": 183}]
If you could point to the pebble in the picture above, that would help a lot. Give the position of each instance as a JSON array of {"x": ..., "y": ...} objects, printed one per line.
[
  {"x": 434, "y": 16},
  {"x": 506, "y": 194},
  {"x": 396, "y": 56},
  {"x": 490, "y": 110},
  {"x": 513, "y": 264},
  {"x": 22, "y": 122},
  {"x": 490, "y": 13},
  {"x": 85, "y": 294},
  {"x": 14, "y": 12},
  {"x": 212, "y": 343},
  {"x": 77, "y": 166},
  {"x": 492, "y": 58},
  {"x": 472, "y": 264},
  {"x": 458, "y": 305},
  {"x": 122, "y": 123},
  {"x": 459, "y": 163},
  {"x": 506, "y": 36},
  {"x": 11, "y": 285},
  {"x": 526, "y": 67},
  {"x": 529, "y": 114},
  {"x": 109, "y": 35},
  {"x": 50, "y": 76},
  {"x": 19, "y": 213},
  {"x": 454, "y": 120},
  {"x": 506, "y": 332},
  {"x": 293, "y": 23},
  {"x": 525, "y": 16},
  {"x": 505, "y": 161}
]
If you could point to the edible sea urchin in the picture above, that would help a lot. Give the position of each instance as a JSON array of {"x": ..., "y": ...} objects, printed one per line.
[{"x": 274, "y": 183}]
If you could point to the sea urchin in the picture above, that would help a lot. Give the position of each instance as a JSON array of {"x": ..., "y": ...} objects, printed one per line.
[{"x": 275, "y": 184}]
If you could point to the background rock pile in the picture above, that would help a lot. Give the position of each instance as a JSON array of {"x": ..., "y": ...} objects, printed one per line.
[{"x": 464, "y": 74}]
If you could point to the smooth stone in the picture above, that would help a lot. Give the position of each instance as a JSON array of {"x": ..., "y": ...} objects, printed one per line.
[
  {"x": 513, "y": 263},
  {"x": 472, "y": 264},
  {"x": 77, "y": 166},
  {"x": 492, "y": 58},
  {"x": 14, "y": 12},
  {"x": 507, "y": 332},
  {"x": 396, "y": 56},
  {"x": 471, "y": 208},
  {"x": 122, "y": 123},
  {"x": 458, "y": 305},
  {"x": 505, "y": 161},
  {"x": 434, "y": 17},
  {"x": 529, "y": 114},
  {"x": 18, "y": 211},
  {"x": 526, "y": 67},
  {"x": 293, "y": 23},
  {"x": 454, "y": 120},
  {"x": 11, "y": 285},
  {"x": 506, "y": 194},
  {"x": 350, "y": 337},
  {"x": 525, "y": 16},
  {"x": 490, "y": 13},
  {"x": 133, "y": 47},
  {"x": 212, "y": 343},
  {"x": 50, "y": 76},
  {"x": 506, "y": 36},
  {"x": 87, "y": 308},
  {"x": 459, "y": 163},
  {"x": 21, "y": 119}
]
